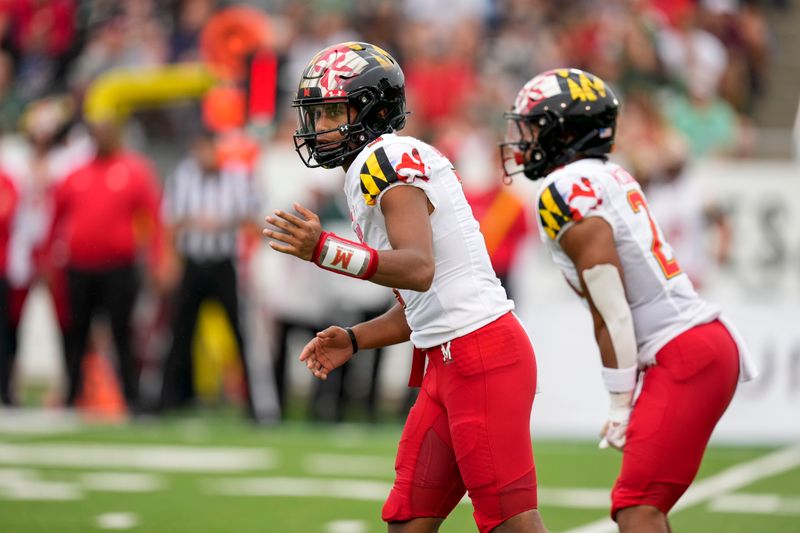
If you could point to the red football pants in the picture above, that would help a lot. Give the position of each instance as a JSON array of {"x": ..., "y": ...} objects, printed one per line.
[
  {"x": 683, "y": 397},
  {"x": 469, "y": 430}
]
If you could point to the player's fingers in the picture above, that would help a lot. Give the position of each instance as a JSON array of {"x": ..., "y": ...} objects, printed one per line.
[
  {"x": 308, "y": 213},
  {"x": 308, "y": 351},
  {"x": 282, "y": 224},
  {"x": 291, "y": 219},
  {"x": 282, "y": 248},
  {"x": 279, "y": 235}
]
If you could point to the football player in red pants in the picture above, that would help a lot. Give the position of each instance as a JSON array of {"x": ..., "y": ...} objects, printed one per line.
[
  {"x": 648, "y": 320},
  {"x": 469, "y": 430}
]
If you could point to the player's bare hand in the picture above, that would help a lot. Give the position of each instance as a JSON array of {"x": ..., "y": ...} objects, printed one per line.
[
  {"x": 292, "y": 234},
  {"x": 330, "y": 349}
]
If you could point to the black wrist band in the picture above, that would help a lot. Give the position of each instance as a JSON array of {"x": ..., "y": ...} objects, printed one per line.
[{"x": 353, "y": 340}]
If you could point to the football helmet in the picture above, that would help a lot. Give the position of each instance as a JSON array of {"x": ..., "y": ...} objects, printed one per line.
[
  {"x": 359, "y": 82},
  {"x": 559, "y": 116}
]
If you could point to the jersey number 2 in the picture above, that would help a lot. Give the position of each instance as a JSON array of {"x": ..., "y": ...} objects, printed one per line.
[{"x": 668, "y": 266}]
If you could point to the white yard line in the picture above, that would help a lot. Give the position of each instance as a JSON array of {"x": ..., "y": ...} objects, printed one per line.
[
  {"x": 31, "y": 489},
  {"x": 37, "y": 422},
  {"x": 11, "y": 475},
  {"x": 346, "y": 526},
  {"x": 771, "y": 504},
  {"x": 159, "y": 458},
  {"x": 349, "y": 489},
  {"x": 121, "y": 482},
  {"x": 578, "y": 498},
  {"x": 349, "y": 465},
  {"x": 28, "y": 484},
  {"x": 117, "y": 520},
  {"x": 726, "y": 481}
]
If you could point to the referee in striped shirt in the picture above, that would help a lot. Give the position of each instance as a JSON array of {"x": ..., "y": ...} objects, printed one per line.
[{"x": 206, "y": 204}]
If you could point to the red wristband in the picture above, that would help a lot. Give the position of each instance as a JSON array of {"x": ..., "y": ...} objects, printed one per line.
[{"x": 345, "y": 257}]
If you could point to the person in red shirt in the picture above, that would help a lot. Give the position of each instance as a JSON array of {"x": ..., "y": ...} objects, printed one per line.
[
  {"x": 102, "y": 208},
  {"x": 8, "y": 201}
]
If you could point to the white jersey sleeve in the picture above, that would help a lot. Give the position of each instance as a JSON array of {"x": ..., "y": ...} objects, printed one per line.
[{"x": 465, "y": 293}]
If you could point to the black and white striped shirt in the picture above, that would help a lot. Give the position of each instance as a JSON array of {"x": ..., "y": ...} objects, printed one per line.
[{"x": 194, "y": 200}]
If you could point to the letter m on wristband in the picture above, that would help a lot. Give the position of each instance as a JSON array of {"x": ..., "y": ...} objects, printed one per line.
[
  {"x": 345, "y": 257},
  {"x": 342, "y": 257}
]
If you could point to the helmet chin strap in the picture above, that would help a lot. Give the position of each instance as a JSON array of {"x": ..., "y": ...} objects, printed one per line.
[{"x": 575, "y": 148}]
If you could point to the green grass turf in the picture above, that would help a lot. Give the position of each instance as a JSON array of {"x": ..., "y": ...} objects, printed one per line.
[{"x": 186, "y": 505}]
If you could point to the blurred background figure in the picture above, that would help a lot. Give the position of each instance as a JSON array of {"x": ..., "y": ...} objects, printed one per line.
[
  {"x": 38, "y": 160},
  {"x": 206, "y": 205},
  {"x": 8, "y": 205},
  {"x": 104, "y": 212}
]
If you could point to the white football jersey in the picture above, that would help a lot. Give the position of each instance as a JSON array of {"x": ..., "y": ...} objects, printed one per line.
[
  {"x": 465, "y": 294},
  {"x": 663, "y": 301}
]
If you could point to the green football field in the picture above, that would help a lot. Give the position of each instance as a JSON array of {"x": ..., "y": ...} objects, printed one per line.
[{"x": 216, "y": 473}]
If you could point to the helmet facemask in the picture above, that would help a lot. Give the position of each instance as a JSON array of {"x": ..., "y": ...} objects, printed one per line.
[
  {"x": 523, "y": 150},
  {"x": 362, "y": 123}
]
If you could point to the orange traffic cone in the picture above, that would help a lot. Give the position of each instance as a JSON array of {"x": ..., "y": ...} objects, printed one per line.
[{"x": 100, "y": 398}]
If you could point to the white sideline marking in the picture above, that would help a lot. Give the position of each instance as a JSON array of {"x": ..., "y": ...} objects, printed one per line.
[
  {"x": 18, "y": 484},
  {"x": 161, "y": 458},
  {"x": 346, "y": 526},
  {"x": 11, "y": 475},
  {"x": 37, "y": 421},
  {"x": 728, "y": 480},
  {"x": 117, "y": 520},
  {"x": 349, "y": 465},
  {"x": 349, "y": 489},
  {"x": 577, "y": 498},
  {"x": 121, "y": 482},
  {"x": 27, "y": 487},
  {"x": 756, "y": 504}
]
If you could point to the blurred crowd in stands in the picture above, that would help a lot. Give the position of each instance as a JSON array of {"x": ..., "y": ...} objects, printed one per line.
[{"x": 109, "y": 215}]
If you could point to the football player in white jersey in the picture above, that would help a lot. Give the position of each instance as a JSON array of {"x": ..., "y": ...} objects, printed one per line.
[
  {"x": 648, "y": 320},
  {"x": 469, "y": 430}
]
